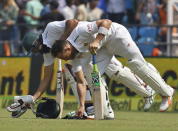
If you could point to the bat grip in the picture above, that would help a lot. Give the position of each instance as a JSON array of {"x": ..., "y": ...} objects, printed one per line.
[{"x": 94, "y": 59}]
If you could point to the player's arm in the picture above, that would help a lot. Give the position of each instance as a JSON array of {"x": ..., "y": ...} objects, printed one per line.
[
  {"x": 103, "y": 28},
  {"x": 69, "y": 26},
  {"x": 48, "y": 72},
  {"x": 81, "y": 88}
]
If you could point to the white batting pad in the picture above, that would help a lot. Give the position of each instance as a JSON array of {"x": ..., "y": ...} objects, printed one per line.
[
  {"x": 150, "y": 76},
  {"x": 123, "y": 75}
]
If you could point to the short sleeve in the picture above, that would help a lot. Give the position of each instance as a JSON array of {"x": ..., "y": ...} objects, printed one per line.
[
  {"x": 88, "y": 28},
  {"x": 53, "y": 32},
  {"x": 48, "y": 59},
  {"x": 76, "y": 65}
]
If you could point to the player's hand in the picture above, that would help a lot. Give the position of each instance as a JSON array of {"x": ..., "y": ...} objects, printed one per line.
[
  {"x": 80, "y": 111},
  {"x": 93, "y": 47}
]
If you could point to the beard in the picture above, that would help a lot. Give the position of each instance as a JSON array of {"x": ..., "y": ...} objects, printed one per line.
[{"x": 73, "y": 53}]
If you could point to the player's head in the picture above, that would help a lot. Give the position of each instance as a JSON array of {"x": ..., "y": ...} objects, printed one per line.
[
  {"x": 33, "y": 42},
  {"x": 64, "y": 50}
]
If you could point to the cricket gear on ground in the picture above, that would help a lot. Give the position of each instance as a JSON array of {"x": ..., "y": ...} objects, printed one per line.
[
  {"x": 150, "y": 77},
  {"x": 28, "y": 99},
  {"x": 47, "y": 108},
  {"x": 19, "y": 102},
  {"x": 73, "y": 115},
  {"x": 98, "y": 91},
  {"x": 18, "y": 113},
  {"x": 166, "y": 101},
  {"x": 149, "y": 101},
  {"x": 16, "y": 106},
  {"x": 60, "y": 88}
]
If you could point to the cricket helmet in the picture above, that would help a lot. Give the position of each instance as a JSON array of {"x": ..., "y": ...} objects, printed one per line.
[
  {"x": 48, "y": 108},
  {"x": 33, "y": 42}
]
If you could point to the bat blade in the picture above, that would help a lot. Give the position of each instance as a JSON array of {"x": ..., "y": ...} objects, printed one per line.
[
  {"x": 97, "y": 94},
  {"x": 60, "y": 89}
]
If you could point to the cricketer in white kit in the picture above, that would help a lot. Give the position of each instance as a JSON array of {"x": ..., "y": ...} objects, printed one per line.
[
  {"x": 111, "y": 39},
  {"x": 115, "y": 69}
]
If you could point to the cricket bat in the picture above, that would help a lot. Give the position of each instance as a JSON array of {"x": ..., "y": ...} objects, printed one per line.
[
  {"x": 97, "y": 93},
  {"x": 60, "y": 88}
]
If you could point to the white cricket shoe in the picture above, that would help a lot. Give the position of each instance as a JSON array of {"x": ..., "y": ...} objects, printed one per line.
[
  {"x": 166, "y": 102},
  {"x": 110, "y": 113},
  {"x": 149, "y": 101},
  {"x": 109, "y": 116}
]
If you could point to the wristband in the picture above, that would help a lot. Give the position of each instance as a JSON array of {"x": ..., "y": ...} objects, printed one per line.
[{"x": 103, "y": 30}]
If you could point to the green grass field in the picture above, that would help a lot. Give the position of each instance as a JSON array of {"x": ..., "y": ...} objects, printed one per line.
[{"x": 125, "y": 121}]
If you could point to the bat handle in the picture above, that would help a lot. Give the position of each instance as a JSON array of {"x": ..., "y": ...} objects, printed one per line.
[{"x": 94, "y": 59}]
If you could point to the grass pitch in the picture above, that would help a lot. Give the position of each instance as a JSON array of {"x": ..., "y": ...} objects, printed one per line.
[{"x": 125, "y": 121}]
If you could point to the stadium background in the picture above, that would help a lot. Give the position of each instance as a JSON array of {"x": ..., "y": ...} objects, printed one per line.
[{"x": 21, "y": 76}]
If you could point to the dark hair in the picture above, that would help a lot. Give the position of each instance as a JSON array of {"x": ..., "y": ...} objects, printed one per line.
[{"x": 57, "y": 47}]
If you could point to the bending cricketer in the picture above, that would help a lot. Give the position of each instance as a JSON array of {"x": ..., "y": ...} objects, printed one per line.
[{"x": 107, "y": 39}]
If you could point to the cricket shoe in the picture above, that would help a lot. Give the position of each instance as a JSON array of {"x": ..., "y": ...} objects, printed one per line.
[
  {"x": 19, "y": 113},
  {"x": 166, "y": 102},
  {"x": 109, "y": 116},
  {"x": 149, "y": 101}
]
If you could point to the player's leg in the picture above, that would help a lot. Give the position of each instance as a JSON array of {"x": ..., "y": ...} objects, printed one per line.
[
  {"x": 121, "y": 74},
  {"x": 148, "y": 73},
  {"x": 128, "y": 49}
]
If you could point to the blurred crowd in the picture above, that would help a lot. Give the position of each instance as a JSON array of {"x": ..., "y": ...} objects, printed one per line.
[{"x": 18, "y": 17}]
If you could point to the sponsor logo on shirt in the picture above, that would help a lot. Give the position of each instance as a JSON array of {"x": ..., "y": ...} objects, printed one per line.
[{"x": 89, "y": 26}]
